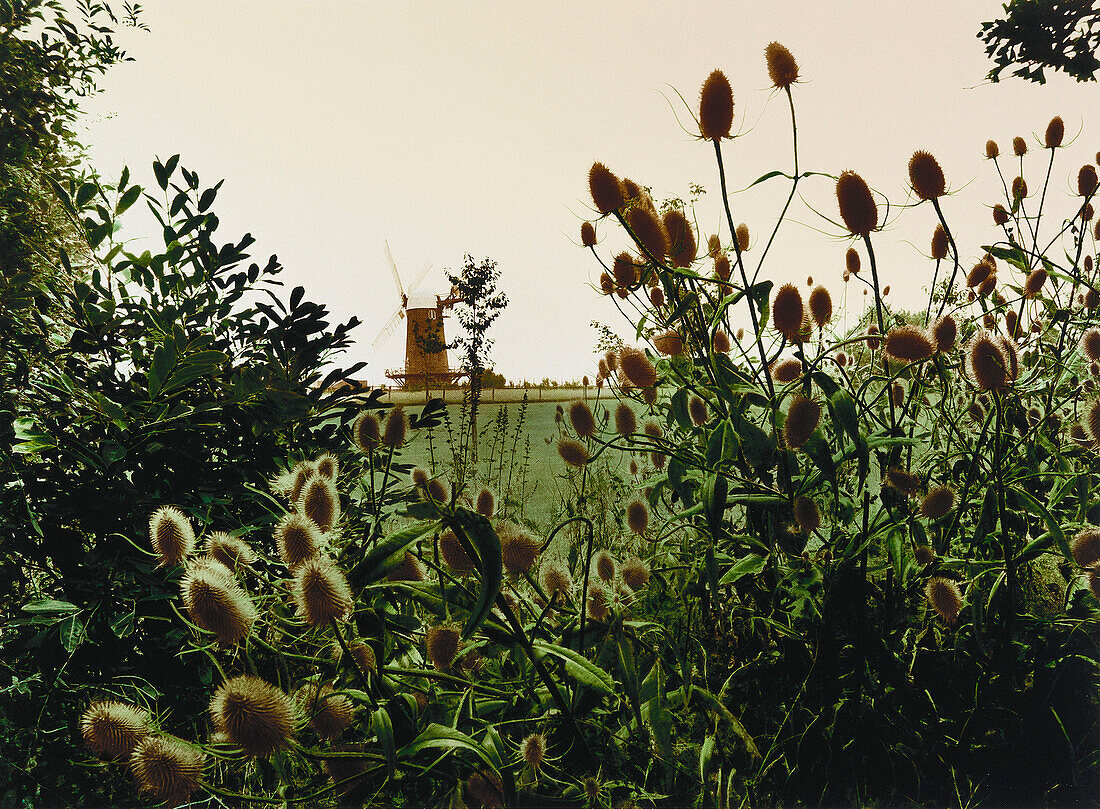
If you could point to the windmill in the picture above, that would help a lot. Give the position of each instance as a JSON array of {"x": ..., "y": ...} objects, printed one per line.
[{"x": 426, "y": 363}]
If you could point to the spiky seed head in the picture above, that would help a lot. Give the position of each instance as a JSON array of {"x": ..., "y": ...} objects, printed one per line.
[
  {"x": 167, "y": 768},
  {"x": 976, "y": 412},
  {"x": 1012, "y": 323},
  {"x": 803, "y": 416},
  {"x": 1056, "y": 130},
  {"x": 697, "y": 410},
  {"x": 1000, "y": 215},
  {"x": 1092, "y": 421},
  {"x": 1019, "y": 146},
  {"x": 442, "y": 644},
  {"x": 669, "y": 343},
  {"x": 633, "y": 191},
  {"x": 624, "y": 270},
  {"x": 649, "y": 395},
  {"x": 924, "y": 555},
  {"x": 606, "y": 190},
  {"x": 604, "y": 566},
  {"x": 572, "y": 452},
  {"x": 555, "y": 577},
  {"x": 607, "y": 286},
  {"x": 653, "y": 430},
  {"x": 635, "y": 573},
  {"x": 420, "y": 476},
  {"x": 722, "y": 267},
  {"x": 905, "y": 482},
  {"x": 986, "y": 364},
  {"x": 841, "y": 359},
  {"x": 908, "y": 344},
  {"x": 397, "y": 427},
  {"x": 1092, "y": 299},
  {"x": 253, "y": 714},
  {"x": 588, "y": 235},
  {"x": 807, "y": 514},
  {"x": 362, "y": 656},
  {"x": 657, "y": 297},
  {"x": 658, "y": 459},
  {"x": 721, "y": 341},
  {"x": 635, "y": 366},
  {"x": 485, "y": 789},
  {"x": 321, "y": 592},
  {"x": 1086, "y": 181},
  {"x": 716, "y": 107},
  {"x": 580, "y": 416},
  {"x": 625, "y": 422},
  {"x": 851, "y": 261},
  {"x": 821, "y": 306},
  {"x": 926, "y": 176},
  {"x": 786, "y": 371},
  {"x": 897, "y": 393},
  {"x": 633, "y": 467},
  {"x": 320, "y": 502},
  {"x": 987, "y": 286},
  {"x": 365, "y": 432},
  {"x": 978, "y": 273},
  {"x": 113, "y": 729},
  {"x": 1085, "y": 547},
  {"x": 411, "y": 569},
  {"x": 171, "y": 534},
  {"x": 598, "y": 602},
  {"x": 486, "y": 504},
  {"x": 649, "y": 233},
  {"x": 454, "y": 554},
  {"x": 945, "y": 598},
  {"x": 1034, "y": 282},
  {"x": 992, "y": 150},
  {"x": 787, "y": 312},
  {"x": 1090, "y": 344},
  {"x": 1087, "y": 213},
  {"x": 714, "y": 245},
  {"x": 533, "y": 750},
  {"x": 742, "y": 237},
  {"x": 1019, "y": 188},
  {"x": 937, "y": 503},
  {"x": 327, "y": 466},
  {"x": 439, "y": 490},
  {"x": 874, "y": 340},
  {"x": 782, "y": 68},
  {"x": 1012, "y": 355},
  {"x": 939, "y": 243},
  {"x": 857, "y": 206},
  {"x": 519, "y": 548},
  {"x": 1094, "y": 580},
  {"x": 215, "y": 602},
  {"x": 682, "y": 248},
  {"x": 297, "y": 539},
  {"x": 637, "y": 516},
  {"x": 329, "y": 714},
  {"x": 231, "y": 551},
  {"x": 944, "y": 332}
]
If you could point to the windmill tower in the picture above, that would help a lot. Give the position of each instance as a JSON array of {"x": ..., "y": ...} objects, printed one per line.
[{"x": 426, "y": 364}]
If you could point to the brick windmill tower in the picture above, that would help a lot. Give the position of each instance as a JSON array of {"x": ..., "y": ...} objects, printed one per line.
[{"x": 426, "y": 364}]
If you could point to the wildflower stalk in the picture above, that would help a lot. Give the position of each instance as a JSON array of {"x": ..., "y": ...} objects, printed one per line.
[
  {"x": 794, "y": 186},
  {"x": 1006, "y": 539}
]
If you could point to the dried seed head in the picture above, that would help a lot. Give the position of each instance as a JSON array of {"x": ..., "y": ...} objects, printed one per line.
[
  {"x": 945, "y": 598},
  {"x": 786, "y": 371},
  {"x": 1086, "y": 181},
  {"x": 1056, "y": 130},
  {"x": 1092, "y": 299},
  {"x": 937, "y": 503},
  {"x": 1019, "y": 146},
  {"x": 697, "y": 409},
  {"x": 1085, "y": 547},
  {"x": 572, "y": 452},
  {"x": 486, "y": 504},
  {"x": 1086, "y": 214},
  {"x": 939, "y": 243},
  {"x": 721, "y": 341},
  {"x": 807, "y": 514},
  {"x": 944, "y": 333},
  {"x": 604, "y": 566},
  {"x": 624, "y": 270},
  {"x": 992, "y": 150},
  {"x": 897, "y": 393},
  {"x": 361, "y": 654},
  {"x": 588, "y": 235},
  {"x": 635, "y": 366},
  {"x": 803, "y": 416},
  {"x": 1034, "y": 282},
  {"x": 1012, "y": 355},
  {"x": 442, "y": 644},
  {"x": 439, "y": 490},
  {"x": 519, "y": 548},
  {"x": 485, "y": 790},
  {"x": 926, "y": 176},
  {"x": 113, "y": 729},
  {"x": 908, "y": 344},
  {"x": 669, "y": 343},
  {"x": 1090, "y": 344},
  {"x": 978, "y": 273},
  {"x": 874, "y": 341},
  {"x": 625, "y": 422},
  {"x": 851, "y": 261},
  {"x": 606, "y": 190},
  {"x": 327, "y": 466},
  {"x": 635, "y": 573},
  {"x": 658, "y": 460},
  {"x": 657, "y": 297},
  {"x": 215, "y": 602},
  {"x": 1094, "y": 580},
  {"x": 648, "y": 232},
  {"x": 397, "y": 427},
  {"x": 454, "y": 554},
  {"x": 742, "y": 237},
  {"x": 649, "y": 395},
  {"x": 253, "y": 714},
  {"x": 231, "y": 551},
  {"x": 1092, "y": 422},
  {"x": 976, "y": 412},
  {"x": 637, "y": 516},
  {"x": 924, "y": 555},
  {"x": 167, "y": 768},
  {"x": 722, "y": 267},
  {"x": 320, "y": 502},
  {"x": 171, "y": 534},
  {"x": 682, "y": 248},
  {"x": 1019, "y": 188},
  {"x": 607, "y": 286},
  {"x": 297, "y": 538},
  {"x": 1000, "y": 215},
  {"x": 716, "y": 107},
  {"x": 988, "y": 285},
  {"x": 365, "y": 432},
  {"x": 905, "y": 482},
  {"x": 329, "y": 714},
  {"x": 411, "y": 569},
  {"x": 787, "y": 312},
  {"x": 598, "y": 602},
  {"x": 321, "y": 592},
  {"x": 821, "y": 306},
  {"x": 857, "y": 206},
  {"x": 714, "y": 245},
  {"x": 555, "y": 577},
  {"x": 782, "y": 68},
  {"x": 987, "y": 366},
  {"x": 533, "y": 750},
  {"x": 841, "y": 359}
]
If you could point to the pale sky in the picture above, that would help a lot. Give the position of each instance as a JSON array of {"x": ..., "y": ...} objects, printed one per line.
[{"x": 453, "y": 128}]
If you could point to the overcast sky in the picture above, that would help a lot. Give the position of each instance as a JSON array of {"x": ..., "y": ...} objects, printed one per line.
[{"x": 454, "y": 128}]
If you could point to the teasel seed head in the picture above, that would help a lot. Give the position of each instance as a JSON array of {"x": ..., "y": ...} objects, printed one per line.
[
  {"x": 1019, "y": 146},
  {"x": 485, "y": 789},
  {"x": 454, "y": 554},
  {"x": 420, "y": 476},
  {"x": 625, "y": 422},
  {"x": 329, "y": 715},
  {"x": 439, "y": 490},
  {"x": 1092, "y": 299},
  {"x": 787, "y": 312},
  {"x": 1086, "y": 181},
  {"x": 976, "y": 412},
  {"x": 648, "y": 232},
  {"x": 803, "y": 416},
  {"x": 411, "y": 569},
  {"x": 624, "y": 270},
  {"x": 697, "y": 410},
  {"x": 722, "y": 268},
  {"x": 637, "y": 516},
  {"x": 978, "y": 273},
  {"x": 851, "y": 261},
  {"x": 519, "y": 548},
  {"x": 635, "y": 573},
  {"x": 903, "y": 481},
  {"x": 572, "y": 452},
  {"x": 327, "y": 466},
  {"x": 857, "y": 206},
  {"x": 945, "y": 598},
  {"x": 1090, "y": 344},
  {"x": 908, "y": 344},
  {"x": 1019, "y": 188},
  {"x": 1087, "y": 213},
  {"x": 321, "y": 592},
  {"x": 167, "y": 768},
  {"x": 365, "y": 432},
  {"x": 486, "y": 504},
  {"x": 1085, "y": 547},
  {"x": 658, "y": 459},
  {"x": 1056, "y": 131},
  {"x": 841, "y": 359},
  {"x": 588, "y": 235},
  {"x": 714, "y": 245},
  {"x": 633, "y": 467},
  {"x": 533, "y": 750},
  {"x": 598, "y": 601},
  {"x": 682, "y": 248},
  {"x": 607, "y": 286},
  {"x": 721, "y": 342},
  {"x": 555, "y": 577},
  {"x": 1093, "y": 578},
  {"x": 171, "y": 535},
  {"x": 807, "y": 514},
  {"x": 944, "y": 333},
  {"x": 657, "y": 297},
  {"x": 231, "y": 551},
  {"x": 716, "y": 107},
  {"x": 1012, "y": 355},
  {"x": 635, "y": 366},
  {"x": 649, "y": 395},
  {"x": 874, "y": 340},
  {"x": 320, "y": 502},
  {"x": 939, "y": 243},
  {"x": 113, "y": 729},
  {"x": 604, "y": 566},
  {"x": 606, "y": 190},
  {"x": 988, "y": 285},
  {"x": 992, "y": 150},
  {"x": 253, "y": 714},
  {"x": 1034, "y": 282},
  {"x": 937, "y": 502},
  {"x": 742, "y": 237},
  {"x": 782, "y": 68},
  {"x": 926, "y": 176},
  {"x": 987, "y": 365},
  {"x": 1093, "y": 421},
  {"x": 215, "y": 602},
  {"x": 442, "y": 644},
  {"x": 297, "y": 539},
  {"x": 397, "y": 428},
  {"x": 786, "y": 371},
  {"x": 669, "y": 343},
  {"x": 821, "y": 306},
  {"x": 1000, "y": 215}
]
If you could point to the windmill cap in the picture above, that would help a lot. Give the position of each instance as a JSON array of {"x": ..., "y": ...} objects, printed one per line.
[{"x": 422, "y": 300}]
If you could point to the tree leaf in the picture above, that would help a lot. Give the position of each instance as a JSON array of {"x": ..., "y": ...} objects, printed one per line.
[{"x": 581, "y": 669}]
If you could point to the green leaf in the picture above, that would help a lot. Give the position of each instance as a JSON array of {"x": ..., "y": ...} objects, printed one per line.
[
  {"x": 987, "y": 518},
  {"x": 1053, "y": 526},
  {"x": 757, "y": 445},
  {"x": 123, "y": 623},
  {"x": 735, "y": 724},
  {"x": 579, "y": 668},
  {"x": 127, "y": 199},
  {"x": 383, "y": 729},
  {"x": 373, "y": 566},
  {"x": 436, "y": 736},
  {"x": 72, "y": 632},
  {"x": 489, "y": 564},
  {"x": 705, "y": 754},
  {"x": 721, "y": 444},
  {"x": 843, "y": 408},
  {"x": 750, "y": 565},
  {"x": 50, "y": 605}
]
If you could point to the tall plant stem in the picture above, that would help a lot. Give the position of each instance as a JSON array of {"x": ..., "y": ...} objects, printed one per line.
[
  {"x": 790, "y": 197},
  {"x": 1006, "y": 540}
]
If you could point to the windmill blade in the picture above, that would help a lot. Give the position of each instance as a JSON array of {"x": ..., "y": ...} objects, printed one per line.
[
  {"x": 420, "y": 277},
  {"x": 393, "y": 266},
  {"x": 387, "y": 330}
]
